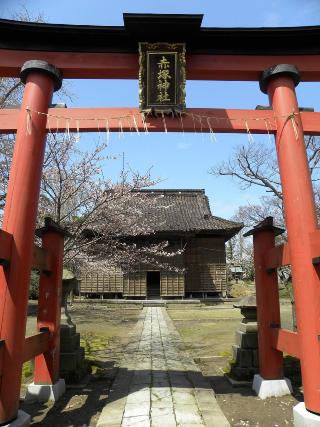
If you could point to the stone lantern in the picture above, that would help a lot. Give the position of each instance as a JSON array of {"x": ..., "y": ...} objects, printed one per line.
[
  {"x": 245, "y": 352},
  {"x": 72, "y": 363},
  {"x": 70, "y": 284}
]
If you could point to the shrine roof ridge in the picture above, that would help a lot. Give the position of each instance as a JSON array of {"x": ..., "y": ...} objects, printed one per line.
[
  {"x": 186, "y": 211},
  {"x": 178, "y": 28},
  {"x": 170, "y": 190}
]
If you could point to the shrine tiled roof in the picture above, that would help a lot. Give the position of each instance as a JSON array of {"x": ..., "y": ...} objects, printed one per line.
[{"x": 186, "y": 211}]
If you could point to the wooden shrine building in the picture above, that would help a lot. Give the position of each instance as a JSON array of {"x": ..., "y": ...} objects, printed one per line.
[{"x": 184, "y": 219}]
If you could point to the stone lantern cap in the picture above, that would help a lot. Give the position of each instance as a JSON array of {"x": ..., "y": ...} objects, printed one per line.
[
  {"x": 67, "y": 275},
  {"x": 69, "y": 281},
  {"x": 247, "y": 302},
  {"x": 248, "y": 307}
]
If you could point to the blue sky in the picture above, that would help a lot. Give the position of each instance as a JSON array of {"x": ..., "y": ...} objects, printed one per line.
[{"x": 181, "y": 161}]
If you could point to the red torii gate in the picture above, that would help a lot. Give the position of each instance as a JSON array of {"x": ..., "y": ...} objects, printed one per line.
[{"x": 286, "y": 123}]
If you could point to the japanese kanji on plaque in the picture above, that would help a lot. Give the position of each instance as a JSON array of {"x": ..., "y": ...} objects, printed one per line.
[{"x": 162, "y": 77}]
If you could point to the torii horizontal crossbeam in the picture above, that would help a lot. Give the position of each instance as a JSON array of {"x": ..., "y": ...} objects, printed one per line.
[
  {"x": 75, "y": 65},
  {"x": 130, "y": 119}
]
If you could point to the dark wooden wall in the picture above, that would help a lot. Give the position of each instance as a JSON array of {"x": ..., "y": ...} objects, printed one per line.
[
  {"x": 106, "y": 282},
  {"x": 204, "y": 261}
]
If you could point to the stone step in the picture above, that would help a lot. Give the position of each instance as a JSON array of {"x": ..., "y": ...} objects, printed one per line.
[{"x": 154, "y": 303}]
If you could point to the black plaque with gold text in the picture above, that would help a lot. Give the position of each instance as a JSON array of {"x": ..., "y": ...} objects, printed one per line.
[{"x": 162, "y": 77}]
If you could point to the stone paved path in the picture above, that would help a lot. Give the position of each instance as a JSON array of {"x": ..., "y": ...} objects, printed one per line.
[{"x": 158, "y": 383}]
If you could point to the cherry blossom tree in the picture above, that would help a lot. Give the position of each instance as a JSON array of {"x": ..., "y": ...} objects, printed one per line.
[{"x": 103, "y": 217}]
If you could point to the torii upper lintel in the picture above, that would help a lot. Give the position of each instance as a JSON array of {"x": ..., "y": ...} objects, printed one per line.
[{"x": 112, "y": 51}]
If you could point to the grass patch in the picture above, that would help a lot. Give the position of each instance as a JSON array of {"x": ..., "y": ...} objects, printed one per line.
[
  {"x": 27, "y": 371},
  {"x": 240, "y": 289},
  {"x": 205, "y": 313},
  {"x": 286, "y": 292},
  {"x": 224, "y": 353},
  {"x": 26, "y": 375},
  {"x": 93, "y": 344}
]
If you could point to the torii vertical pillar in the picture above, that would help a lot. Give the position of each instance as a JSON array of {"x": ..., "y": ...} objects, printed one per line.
[
  {"x": 41, "y": 80},
  {"x": 270, "y": 381},
  {"x": 47, "y": 385},
  {"x": 300, "y": 217}
]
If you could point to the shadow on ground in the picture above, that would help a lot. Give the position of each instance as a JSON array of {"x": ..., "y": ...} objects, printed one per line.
[{"x": 81, "y": 405}]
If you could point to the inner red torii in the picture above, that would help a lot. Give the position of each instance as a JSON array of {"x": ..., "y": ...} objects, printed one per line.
[{"x": 212, "y": 54}]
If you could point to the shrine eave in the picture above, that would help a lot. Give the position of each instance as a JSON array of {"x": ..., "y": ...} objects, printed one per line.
[{"x": 18, "y": 35}]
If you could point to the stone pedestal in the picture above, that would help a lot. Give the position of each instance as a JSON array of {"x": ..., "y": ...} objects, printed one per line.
[
  {"x": 72, "y": 358},
  {"x": 271, "y": 388},
  {"x": 303, "y": 418},
  {"x": 245, "y": 362},
  {"x": 45, "y": 392},
  {"x": 23, "y": 420},
  {"x": 72, "y": 363}
]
